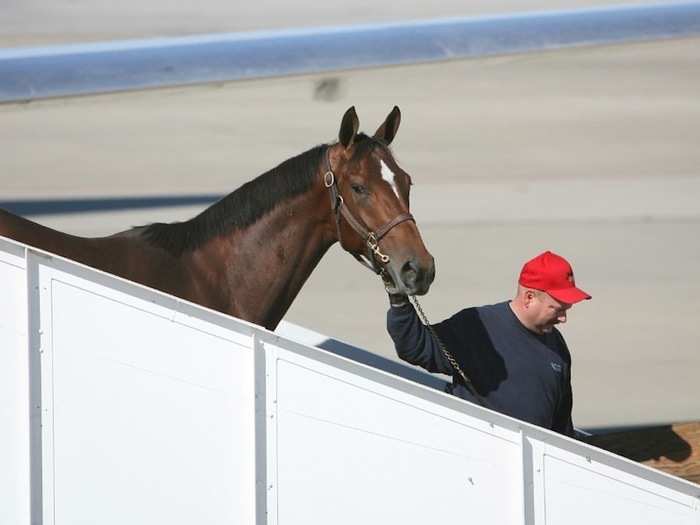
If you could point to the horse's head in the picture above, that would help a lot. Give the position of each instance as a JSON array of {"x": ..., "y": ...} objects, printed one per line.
[{"x": 370, "y": 197}]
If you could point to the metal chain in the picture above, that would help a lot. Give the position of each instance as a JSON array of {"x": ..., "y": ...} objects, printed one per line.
[{"x": 468, "y": 382}]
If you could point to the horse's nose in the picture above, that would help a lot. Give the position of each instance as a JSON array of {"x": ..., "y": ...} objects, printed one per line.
[{"x": 417, "y": 278}]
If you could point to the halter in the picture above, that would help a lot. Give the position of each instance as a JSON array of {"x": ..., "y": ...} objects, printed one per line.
[{"x": 371, "y": 238}]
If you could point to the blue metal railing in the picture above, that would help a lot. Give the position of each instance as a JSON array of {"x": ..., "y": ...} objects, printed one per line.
[{"x": 35, "y": 73}]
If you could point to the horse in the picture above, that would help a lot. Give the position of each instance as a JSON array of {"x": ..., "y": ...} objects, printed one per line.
[{"x": 249, "y": 254}]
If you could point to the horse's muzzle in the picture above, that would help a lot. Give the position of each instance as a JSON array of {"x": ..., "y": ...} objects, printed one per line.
[{"x": 416, "y": 278}]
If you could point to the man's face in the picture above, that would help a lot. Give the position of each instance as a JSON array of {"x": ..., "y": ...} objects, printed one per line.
[{"x": 546, "y": 311}]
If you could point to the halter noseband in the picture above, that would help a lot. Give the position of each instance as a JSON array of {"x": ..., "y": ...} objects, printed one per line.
[{"x": 371, "y": 238}]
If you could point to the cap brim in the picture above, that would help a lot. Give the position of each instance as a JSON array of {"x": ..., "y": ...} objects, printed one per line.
[{"x": 569, "y": 295}]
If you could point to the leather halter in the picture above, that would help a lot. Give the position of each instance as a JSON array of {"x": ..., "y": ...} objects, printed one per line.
[{"x": 371, "y": 238}]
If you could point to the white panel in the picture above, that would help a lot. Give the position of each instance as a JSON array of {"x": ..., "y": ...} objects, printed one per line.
[
  {"x": 148, "y": 416},
  {"x": 581, "y": 491},
  {"x": 14, "y": 389},
  {"x": 350, "y": 450},
  {"x": 149, "y": 420}
]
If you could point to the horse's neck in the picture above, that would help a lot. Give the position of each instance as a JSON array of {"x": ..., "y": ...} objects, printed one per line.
[{"x": 266, "y": 264}]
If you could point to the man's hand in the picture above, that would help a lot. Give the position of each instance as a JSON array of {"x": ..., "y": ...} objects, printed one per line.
[
  {"x": 395, "y": 299},
  {"x": 398, "y": 299}
]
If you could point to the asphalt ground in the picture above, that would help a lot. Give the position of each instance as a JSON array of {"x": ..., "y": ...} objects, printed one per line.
[{"x": 591, "y": 153}]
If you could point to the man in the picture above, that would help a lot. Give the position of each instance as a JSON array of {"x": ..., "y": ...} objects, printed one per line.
[{"x": 514, "y": 359}]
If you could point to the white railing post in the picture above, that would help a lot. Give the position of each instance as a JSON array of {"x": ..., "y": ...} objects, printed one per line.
[
  {"x": 261, "y": 446},
  {"x": 35, "y": 385},
  {"x": 271, "y": 432}
]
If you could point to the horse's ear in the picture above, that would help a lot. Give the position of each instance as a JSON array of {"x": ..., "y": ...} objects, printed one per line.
[
  {"x": 348, "y": 127},
  {"x": 387, "y": 131}
]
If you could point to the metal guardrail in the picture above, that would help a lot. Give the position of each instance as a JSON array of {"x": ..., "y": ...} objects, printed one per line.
[
  {"x": 254, "y": 417},
  {"x": 36, "y": 207},
  {"x": 34, "y": 73}
]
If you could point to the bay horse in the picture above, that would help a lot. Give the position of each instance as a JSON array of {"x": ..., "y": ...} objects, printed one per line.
[{"x": 249, "y": 254}]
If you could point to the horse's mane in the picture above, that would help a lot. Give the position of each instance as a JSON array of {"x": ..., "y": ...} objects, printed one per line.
[
  {"x": 250, "y": 202},
  {"x": 240, "y": 208}
]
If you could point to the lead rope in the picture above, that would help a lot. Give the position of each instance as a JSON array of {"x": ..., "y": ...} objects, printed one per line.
[{"x": 467, "y": 382}]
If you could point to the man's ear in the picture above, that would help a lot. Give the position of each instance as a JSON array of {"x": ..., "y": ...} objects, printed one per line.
[
  {"x": 387, "y": 131},
  {"x": 348, "y": 127},
  {"x": 529, "y": 296}
]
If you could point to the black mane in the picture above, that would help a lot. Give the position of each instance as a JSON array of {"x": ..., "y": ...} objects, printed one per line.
[
  {"x": 250, "y": 202},
  {"x": 240, "y": 208}
]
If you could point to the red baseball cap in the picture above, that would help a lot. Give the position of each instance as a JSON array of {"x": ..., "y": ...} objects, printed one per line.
[{"x": 551, "y": 273}]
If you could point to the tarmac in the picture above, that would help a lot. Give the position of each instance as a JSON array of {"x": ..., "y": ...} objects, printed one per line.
[{"x": 589, "y": 152}]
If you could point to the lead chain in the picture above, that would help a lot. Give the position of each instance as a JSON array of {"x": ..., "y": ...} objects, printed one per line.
[
  {"x": 373, "y": 245},
  {"x": 446, "y": 352}
]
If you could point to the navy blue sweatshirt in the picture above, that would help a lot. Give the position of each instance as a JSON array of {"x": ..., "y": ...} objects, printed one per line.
[{"x": 517, "y": 372}]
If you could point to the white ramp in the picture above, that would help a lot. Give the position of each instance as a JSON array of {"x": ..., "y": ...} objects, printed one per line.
[
  {"x": 120, "y": 404},
  {"x": 147, "y": 414},
  {"x": 14, "y": 387}
]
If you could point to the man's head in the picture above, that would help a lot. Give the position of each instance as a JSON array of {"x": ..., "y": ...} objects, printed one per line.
[{"x": 546, "y": 291}]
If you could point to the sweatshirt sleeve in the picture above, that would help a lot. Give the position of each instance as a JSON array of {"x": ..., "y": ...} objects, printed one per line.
[{"x": 413, "y": 341}]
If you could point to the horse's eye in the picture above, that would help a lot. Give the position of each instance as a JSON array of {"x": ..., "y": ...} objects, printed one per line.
[{"x": 359, "y": 189}]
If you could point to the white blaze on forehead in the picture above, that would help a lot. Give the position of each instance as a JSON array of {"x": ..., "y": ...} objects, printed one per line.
[{"x": 390, "y": 177}]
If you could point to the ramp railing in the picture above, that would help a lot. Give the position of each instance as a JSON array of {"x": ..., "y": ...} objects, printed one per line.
[{"x": 122, "y": 404}]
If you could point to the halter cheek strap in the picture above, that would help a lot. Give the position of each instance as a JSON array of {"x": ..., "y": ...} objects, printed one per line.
[{"x": 371, "y": 238}]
